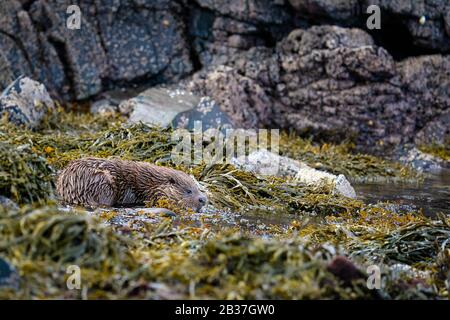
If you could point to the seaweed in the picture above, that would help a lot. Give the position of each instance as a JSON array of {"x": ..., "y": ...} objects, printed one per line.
[
  {"x": 24, "y": 175},
  {"x": 340, "y": 159},
  {"x": 168, "y": 258},
  {"x": 441, "y": 151},
  {"x": 164, "y": 260}
]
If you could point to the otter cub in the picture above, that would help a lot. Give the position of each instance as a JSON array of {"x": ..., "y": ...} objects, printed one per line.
[{"x": 115, "y": 182}]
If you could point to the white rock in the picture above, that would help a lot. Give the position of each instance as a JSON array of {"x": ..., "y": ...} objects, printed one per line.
[{"x": 264, "y": 162}]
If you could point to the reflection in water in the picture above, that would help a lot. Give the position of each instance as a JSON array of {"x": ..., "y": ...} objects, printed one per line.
[{"x": 433, "y": 195}]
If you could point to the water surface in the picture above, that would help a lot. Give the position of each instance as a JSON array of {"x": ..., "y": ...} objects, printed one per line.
[{"x": 433, "y": 195}]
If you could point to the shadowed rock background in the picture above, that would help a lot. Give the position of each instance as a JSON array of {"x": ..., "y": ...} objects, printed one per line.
[{"x": 309, "y": 65}]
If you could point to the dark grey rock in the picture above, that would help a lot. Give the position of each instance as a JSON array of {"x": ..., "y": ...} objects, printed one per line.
[
  {"x": 432, "y": 33},
  {"x": 164, "y": 106},
  {"x": 128, "y": 42},
  {"x": 9, "y": 278},
  {"x": 435, "y": 132},
  {"x": 143, "y": 40},
  {"x": 207, "y": 112},
  {"x": 118, "y": 42},
  {"x": 332, "y": 83},
  {"x": 240, "y": 97}
]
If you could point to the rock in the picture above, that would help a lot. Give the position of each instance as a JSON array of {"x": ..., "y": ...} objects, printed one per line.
[
  {"x": 240, "y": 97},
  {"x": 435, "y": 132},
  {"x": 425, "y": 23},
  {"x": 419, "y": 160},
  {"x": 345, "y": 270},
  {"x": 80, "y": 51},
  {"x": 264, "y": 162},
  {"x": 164, "y": 106},
  {"x": 143, "y": 39},
  {"x": 159, "y": 105},
  {"x": 9, "y": 278},
  {"x": 7, "y": 203},
  {"x": 103, "y": 106},
  {"x": 122, "y": 43},
  {"x": 343, "y": 187},
  {"x": 26, "y": 102},
  {"x": 333, "y": 84},
  {"x": 207, "y": 113},
  {"x": 118, "y": 41}
]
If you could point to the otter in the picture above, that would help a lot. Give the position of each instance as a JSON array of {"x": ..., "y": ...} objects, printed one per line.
[{"x": 94, "y": 182}]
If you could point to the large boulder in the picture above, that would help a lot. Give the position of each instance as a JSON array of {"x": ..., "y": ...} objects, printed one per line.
[
  {"x": 118, "y": 42},
  {"x": 122, "y": 43},
  {"x": 332, "y": 83},
  {"x": 240, "y": 97},
  {"x": 26, "y": 102},
  {"x": 426, "y": 22}
]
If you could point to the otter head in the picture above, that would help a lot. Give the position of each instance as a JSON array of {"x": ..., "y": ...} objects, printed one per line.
[{"x": 182, "y": 190}]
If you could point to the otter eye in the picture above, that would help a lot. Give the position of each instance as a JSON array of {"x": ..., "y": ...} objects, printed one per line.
[
  {"x": 171, "y": 180},
  {"x": 189, "y": 191}
]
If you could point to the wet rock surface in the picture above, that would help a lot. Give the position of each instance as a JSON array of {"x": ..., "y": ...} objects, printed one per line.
[
  {"x": 158, "y": 106},
  {"x": 419, "y": 160}
]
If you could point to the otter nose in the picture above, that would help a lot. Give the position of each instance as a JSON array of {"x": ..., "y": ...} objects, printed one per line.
[{"x": 202, "y": 200}]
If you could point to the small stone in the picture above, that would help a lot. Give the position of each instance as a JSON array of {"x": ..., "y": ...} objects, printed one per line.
[
  {"x": 103, "y": 106},
  {"x": 422, "y": 20}
]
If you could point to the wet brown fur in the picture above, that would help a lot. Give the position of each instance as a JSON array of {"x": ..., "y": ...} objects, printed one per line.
[{"x": 94, "y": 182}]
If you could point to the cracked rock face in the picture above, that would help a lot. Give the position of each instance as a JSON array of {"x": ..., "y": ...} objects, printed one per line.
[
  {"x": 333, "y": 82},
  {"x": 266, "y": 63},
  {"x": 123, "y": 42},
  {"x": 119, "y": 41},
  {"x": 426, "y": 22}
]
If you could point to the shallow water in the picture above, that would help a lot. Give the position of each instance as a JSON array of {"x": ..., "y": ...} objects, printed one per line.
[{"x": 432, "y": 196}]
